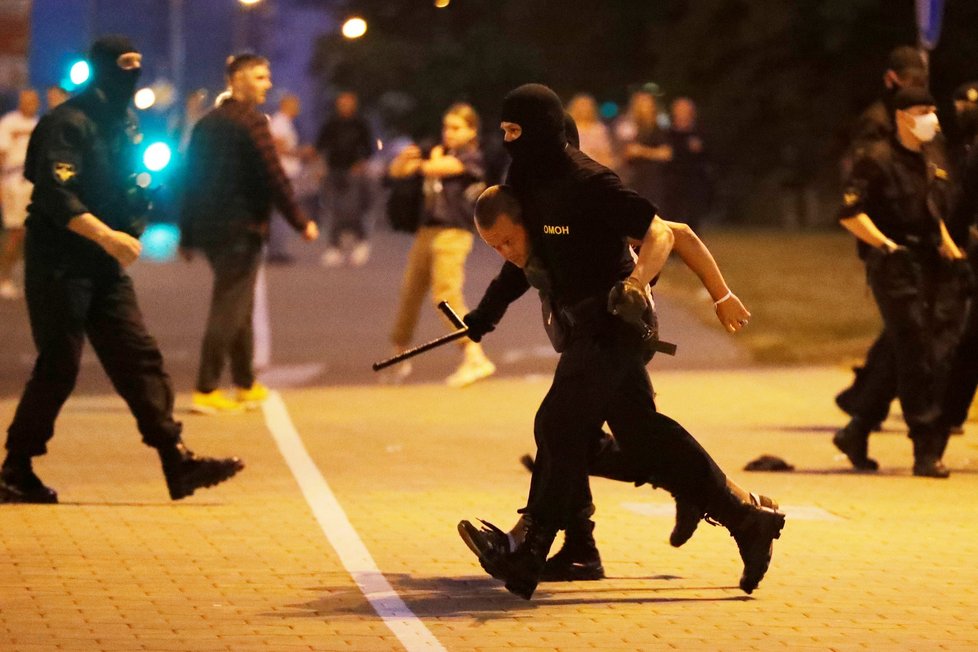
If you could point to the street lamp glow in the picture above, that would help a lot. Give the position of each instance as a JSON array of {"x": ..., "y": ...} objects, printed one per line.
[
  {"x": 354, "y": 27},
  {"x": 157, "y": 156},
  {"x": 248, "y": 3},
  {"x": 441, "y": 4},
  {"x": 144, "y": 98},
  {"x": 79, "y": 73}
]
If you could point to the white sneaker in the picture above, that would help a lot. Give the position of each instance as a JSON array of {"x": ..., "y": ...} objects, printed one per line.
[
  {"x": 332, "y": 257},
  {"x": 471, "y": 371},
  {"x": 10, "y": 291},
  {"x": 360, "y": 254}
]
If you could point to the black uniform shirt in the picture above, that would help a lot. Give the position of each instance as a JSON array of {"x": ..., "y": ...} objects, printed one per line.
[
  {"x": 81, "y": 159},
  {"x": 906, "y": 194},
  {"x": 579, "y": 219}
]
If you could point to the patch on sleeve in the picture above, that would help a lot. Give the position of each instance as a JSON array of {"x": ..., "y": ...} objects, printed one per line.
[
  {"x": 850, "y": 198},
  {"x": 64, "y": 172}
]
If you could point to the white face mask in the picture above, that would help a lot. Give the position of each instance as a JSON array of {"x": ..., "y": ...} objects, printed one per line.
[{"x": 925, "y": 127}]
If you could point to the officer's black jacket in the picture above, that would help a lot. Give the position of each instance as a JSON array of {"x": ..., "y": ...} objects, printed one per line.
[
  {"x": 579, "y": 218},
  {"x": 81, "y": 158},
  {"x": 965, "y": 213},
  {"x": 906, "y": 194}
]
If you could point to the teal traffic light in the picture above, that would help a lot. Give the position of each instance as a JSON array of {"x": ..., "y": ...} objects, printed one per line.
[
  {"x": 157, "y": 156},
  {"x": 79, "y": 73}
]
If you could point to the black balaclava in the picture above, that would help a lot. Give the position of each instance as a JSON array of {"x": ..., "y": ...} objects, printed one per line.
[
  {"x": 539, "y": 112},
  {"x": 117, "y": 84}
]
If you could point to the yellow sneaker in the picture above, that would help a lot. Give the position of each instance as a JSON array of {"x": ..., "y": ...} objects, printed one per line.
[
  {"x": 252, "y": 397},
  {"x": 215, "y": 402},
  {"x": 475, "y": 367}
]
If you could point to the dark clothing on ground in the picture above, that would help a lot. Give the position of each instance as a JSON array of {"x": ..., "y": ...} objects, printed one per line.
[
  {"x": 579, "y": 217},
  {"x": 81, "y": 160}
]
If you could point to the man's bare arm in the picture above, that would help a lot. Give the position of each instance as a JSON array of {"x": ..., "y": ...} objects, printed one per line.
[{"x": 118, "y": 244}]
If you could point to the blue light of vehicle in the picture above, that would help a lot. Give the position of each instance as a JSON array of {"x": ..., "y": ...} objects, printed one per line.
[
  {"x": 157, "y": 156},
  {"x": 160, "y": 242}
]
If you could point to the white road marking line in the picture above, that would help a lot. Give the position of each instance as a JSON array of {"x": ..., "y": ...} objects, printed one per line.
[{"x": 337, "y": 527}]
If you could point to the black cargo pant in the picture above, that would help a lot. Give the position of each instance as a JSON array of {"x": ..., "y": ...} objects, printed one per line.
[
  {"x": 923, "y": 304},
  {"x": 64, "y": 308},
  {"x": 230, "y": 333},
  {"x": 601, "y": 378},
  {"x": 875, "y": 385},
  {"x": 963, "y": 378}
]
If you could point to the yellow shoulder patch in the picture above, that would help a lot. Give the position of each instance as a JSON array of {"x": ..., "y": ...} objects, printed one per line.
[
  {"x": 64, "y": 172},
  {"x": 941, "y": 174},
  {"x": 850, "y": 198}
]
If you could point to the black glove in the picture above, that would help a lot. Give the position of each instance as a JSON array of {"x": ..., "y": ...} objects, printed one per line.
[
  {"x": 628, "y": 301},
  {"x": 478, "y": 324}
]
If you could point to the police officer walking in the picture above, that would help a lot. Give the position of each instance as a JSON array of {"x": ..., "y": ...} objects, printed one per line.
[
  {"x": 82, "y": 230},
  {"x": 565, "y": 226},
  {"x": 895, "y": 202}
]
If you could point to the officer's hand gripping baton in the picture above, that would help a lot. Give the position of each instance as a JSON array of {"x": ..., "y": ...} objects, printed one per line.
[{"x": 461, "y": 331}]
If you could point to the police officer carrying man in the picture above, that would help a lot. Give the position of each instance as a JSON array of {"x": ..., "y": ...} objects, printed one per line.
[
  {"x": 963, "y": 379},
  {"x": 82, "y": 230},
  {"x": 895, "y": 202},
  {"x": 905, "y": 68},
  {"x": 566, "y": 226}
]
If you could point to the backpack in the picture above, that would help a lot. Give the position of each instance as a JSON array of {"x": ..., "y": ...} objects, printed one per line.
[{"x": 404, "y": 203}]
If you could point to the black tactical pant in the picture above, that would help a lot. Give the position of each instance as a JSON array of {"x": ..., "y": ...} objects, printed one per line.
[
  {"x": 601, "y": 378},
  {"x": 875, "y": 385},
  {"x": 230, "y": 333},
  {"x": 64, "y": 308},
  {"x": 923, "y": 304},
  {"x": 963, "y": 378}
]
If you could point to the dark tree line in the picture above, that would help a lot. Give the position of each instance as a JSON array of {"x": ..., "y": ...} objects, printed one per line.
[{"x": 777, "y": 81}]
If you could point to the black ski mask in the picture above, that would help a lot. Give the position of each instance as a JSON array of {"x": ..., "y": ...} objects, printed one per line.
[
  {"x": 117, "y": 84},
  {"x": 540, "y": 114}
]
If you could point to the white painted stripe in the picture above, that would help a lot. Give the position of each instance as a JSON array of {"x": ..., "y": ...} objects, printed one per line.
[{"x": 332, "y": 519}]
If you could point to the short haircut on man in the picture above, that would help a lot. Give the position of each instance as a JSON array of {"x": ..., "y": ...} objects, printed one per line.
[
  {"x": 243, "y": 61},
  {"x": 495, "y": 201},
  {"x": 904, "y": 59}
]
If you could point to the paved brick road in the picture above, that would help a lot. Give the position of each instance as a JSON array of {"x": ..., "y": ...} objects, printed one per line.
[{"x": 865, "y": 562}]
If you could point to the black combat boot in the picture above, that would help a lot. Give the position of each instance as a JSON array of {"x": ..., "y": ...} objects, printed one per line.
[
  {"x": 853, "y": 440},
  {"x": 754, "y": 527},
  {"x": 522, "y": 568},
  {"x": 688, "y": 516},
  {"x": 489, "y": 544},
  {"x": 19, "y": 483},
  {"x": 185, "y": 472},
  {"x": 927, "y": 452},
  {"x": 578, "y": 559}
]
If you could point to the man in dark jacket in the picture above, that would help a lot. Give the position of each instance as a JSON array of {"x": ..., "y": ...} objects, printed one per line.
[
  {"x": 564, "y": 227},
  {"x": 84, "y": 221},
  {"x": 234, "y": 177}
]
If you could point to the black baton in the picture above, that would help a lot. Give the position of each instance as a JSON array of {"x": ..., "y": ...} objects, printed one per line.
[{"x": 457, "y": 322}]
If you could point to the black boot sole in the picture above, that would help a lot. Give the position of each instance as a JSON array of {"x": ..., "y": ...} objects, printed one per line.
[
  {"x": 475, "y": 540},
  {"x": 10, "y": 495},
  {"x": 572, "y": 573},
  {"x": 847, "y": 447},
  {"x": 768, "y": 524},
  {"x": 183, "y": 486}
]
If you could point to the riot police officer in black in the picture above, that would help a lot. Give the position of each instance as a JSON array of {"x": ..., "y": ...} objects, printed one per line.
[
  {"x": 895, "y": 202},
  {"x": 874, "y": 386},
  {"x": 82, "y": 230},
  {"x": 963, "y": 379},
  {"x": 565, "y": 226}
]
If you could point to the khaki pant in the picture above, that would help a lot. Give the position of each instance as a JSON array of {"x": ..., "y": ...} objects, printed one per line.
[
  {"x": 15, "y": 193},
  {"x": 437, "y": 262}
]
